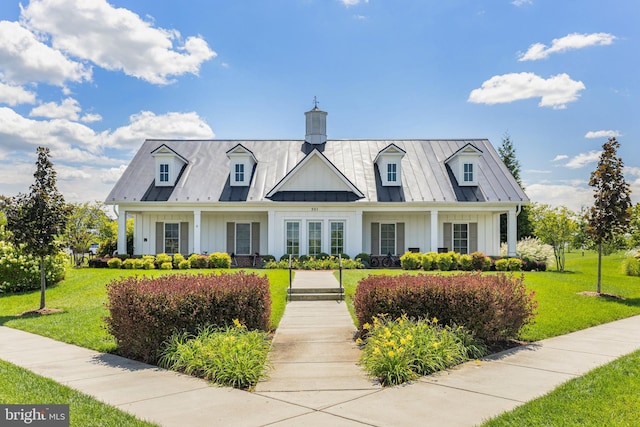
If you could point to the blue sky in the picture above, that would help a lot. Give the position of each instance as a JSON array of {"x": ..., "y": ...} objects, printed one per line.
[{"x": 92, "y": 79}]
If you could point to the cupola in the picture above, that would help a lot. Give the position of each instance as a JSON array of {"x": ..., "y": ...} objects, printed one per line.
[{"x": 316, "y": 129}]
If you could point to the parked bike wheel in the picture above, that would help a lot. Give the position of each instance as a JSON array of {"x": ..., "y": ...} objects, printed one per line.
[
  {"x": 387, "y": 262},
  {"x": 375, "y": 262}
]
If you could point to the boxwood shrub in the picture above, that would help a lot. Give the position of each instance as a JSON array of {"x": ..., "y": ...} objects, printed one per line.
[
  {"x": 144, "y": 312},
  {"x": 494, "y": 307}
]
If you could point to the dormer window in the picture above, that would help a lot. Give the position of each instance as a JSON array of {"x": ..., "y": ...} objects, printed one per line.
[
  {"x": 392, "y": 172},
  {"x": 169, "y": 165},
  {"x": 464, "y": 165},
  {"x": 468, "y": 173},
  {"x": 239, "y": 172},
  {"x": 389, "y": 162},
  {"x": 241, "y": 163},
  {"x": 164, "y": 172}
]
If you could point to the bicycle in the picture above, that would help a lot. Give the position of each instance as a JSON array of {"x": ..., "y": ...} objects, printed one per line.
[{"x": 390, "y": 261}]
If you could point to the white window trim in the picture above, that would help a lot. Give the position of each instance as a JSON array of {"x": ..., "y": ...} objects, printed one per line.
[
  {"x": 453, "y": 233},
  {"x": 286, "y": 232},
  {"x": 239, "y": 172},
  {"x": 322, "y": 235},
  {"x": 235, "y": 244},
  {"x": 164, "y": 237},
  {"x": 344, "y": 234},
  {"x": 395, "y": 237}
]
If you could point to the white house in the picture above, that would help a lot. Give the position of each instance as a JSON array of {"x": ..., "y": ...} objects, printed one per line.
[{"x": 316, "y": 195}]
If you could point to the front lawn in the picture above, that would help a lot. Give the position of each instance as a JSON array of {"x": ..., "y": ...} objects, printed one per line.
[
  {"x": 82, "y": 296},
  {"x": 24, "y": 387}
]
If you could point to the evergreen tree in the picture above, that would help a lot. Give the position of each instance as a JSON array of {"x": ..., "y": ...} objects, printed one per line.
[
  {"x": 37, "y": 218},
  {"x": 610, "y": 214},
  {"x": 507, "y": 154}
]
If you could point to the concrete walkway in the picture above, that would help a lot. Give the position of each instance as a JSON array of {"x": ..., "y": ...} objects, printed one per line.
[{"x": 312, "y": 385}]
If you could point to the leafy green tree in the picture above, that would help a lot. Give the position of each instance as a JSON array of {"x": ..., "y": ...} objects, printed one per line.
[
  {"x": 580, "y": 240},
  {"x": 85, "y": 221},
  {"x": 109, "y": 237},
  {"x": 37, "y": 218},
  {"x": 634, "y": 227},
  {"x": 555, "y": 227},
  {"x": 507, "y": 153},
  {"x": 611, "y": 211}
]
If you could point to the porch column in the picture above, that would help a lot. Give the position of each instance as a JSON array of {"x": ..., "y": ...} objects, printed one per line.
[
  {"x": 122, "y": 231},
  {"x": 196, "y": 231},
  {"x": 357, "y": 244},
  {"x": 434, "y": 230},
  {"x": 512, "y": 231},
  {"x": 271, "y": 233}
]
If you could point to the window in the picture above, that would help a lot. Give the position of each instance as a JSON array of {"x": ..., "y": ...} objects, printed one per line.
[
  {"x": 392, "y": 174},
  {"x": 239, "y": 172},
  {"x": 315, "y": 237},
  {"x": 164, "y": 172},
  {"x": 337, "y": 237},
  {"x": 468, "y": 172},
  {"x": 387, "y": 239},
  {"x": 461, "y": 238},
  {"x": 292, "y": 237},
  {"x": 171, "y": 238},
  {"x": 243, "y": 239}
]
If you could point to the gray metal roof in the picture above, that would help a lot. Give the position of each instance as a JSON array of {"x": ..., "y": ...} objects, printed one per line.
[{"x": 425, "y": 176}]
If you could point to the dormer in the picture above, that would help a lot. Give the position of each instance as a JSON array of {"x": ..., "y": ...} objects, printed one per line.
[
  {"x": 168, "y": 166},
  {"x": 464, "y": 165},
  {"x": 241, "y": 166},
  {"x": 389, "y": 161}
]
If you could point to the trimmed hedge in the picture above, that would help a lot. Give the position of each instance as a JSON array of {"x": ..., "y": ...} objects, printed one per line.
[
  {"x": 144, "y": 312},
  {"x": 493, "y": 307}
]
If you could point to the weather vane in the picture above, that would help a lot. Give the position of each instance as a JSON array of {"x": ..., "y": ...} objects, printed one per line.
[{"x": 315, "y": 102}]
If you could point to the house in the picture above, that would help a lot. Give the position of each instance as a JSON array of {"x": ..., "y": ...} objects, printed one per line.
[{"x": 316, "y": 195}]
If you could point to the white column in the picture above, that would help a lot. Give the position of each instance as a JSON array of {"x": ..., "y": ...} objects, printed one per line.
[
  {"x": 434, "y": 230},
  {"x": 122, "y": 231},
  {"x": 512, "y": 232},
  {"x": 271, "y": 233},
  {"x": 357, "y": 244},
  {"x": 196, "y": 231}
]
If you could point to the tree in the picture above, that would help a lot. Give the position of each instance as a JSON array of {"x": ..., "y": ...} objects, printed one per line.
[
  {"x": 109, "y": 237},
  {"x": 85, "y": 222},
  {"x": 611, "y": 210},
  {"x": 507, "y": 154},
  {"x": 634, "y": 227},
  {"x": 37, "y": 218},
  {"x": 555, "y": 227}
]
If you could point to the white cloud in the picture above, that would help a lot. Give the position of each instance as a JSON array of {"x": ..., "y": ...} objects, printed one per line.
[
  {"x": 91, "y": 118},
  {"x": 148, "y": 125},
  {"x": 560, "y": 157},
  {"x": 583, "y": 159},
  {"x": 602, "y": 134},
  {"x": 555, "y": 92},
  {"x": 521, "y": 2},
  {"x": 541, "y": 171},
  {"x": 569, "y": 42},
  {"x": 349, "y": 3},
  {"x": 116, "y": 39},
  {"x": 24, "y": 59},
  {"x": 68, "y": 109},
  {"x": 112, "y": 175},
  {"x": 14, "y": 95},
  {"x": 573, "y": 197}
]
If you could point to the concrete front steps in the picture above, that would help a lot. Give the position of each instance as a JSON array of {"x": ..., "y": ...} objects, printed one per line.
[{"x": 315, "y": 294}]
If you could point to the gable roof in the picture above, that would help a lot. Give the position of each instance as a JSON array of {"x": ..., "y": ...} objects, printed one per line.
[
  {"x": 391, "y": 149},
  {"x": 467, "y": 149},
  {"x": 340, "y": 183},
  {"x": 164, "y": 149},
  {"x": 424, "y": 173}
]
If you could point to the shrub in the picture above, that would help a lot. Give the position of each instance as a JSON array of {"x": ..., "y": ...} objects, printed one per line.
[
  {"x": 533, "y": 250},
  {"x": 98, "y": 262},
  {"x": 493, "y": 307},
  {"x": 429, "y": 261},
  {"x": 133, "y": 263},
  {"x": 148, "y": 262},
  {"x": 323, "y": 255},
  {"x": 144, "y": 312},
  {"x": 514, "y": 264},
  {"x": 167, "y": 266},
  {"x": 364, "y": 258},
  {"x": 232, "y": 356},
  {"x": 162, "y": 258},
  {"x": 466, "y": 262},
  {"x": 114, "y": 263},
  {"x": 502, "y": 264},
  {"x": 21, "y": 272},
  {"x": 184, "y": 264},
  {"x": 220, "y": 260},
  {"x": 411, "y": 261},
  {"x": 480, "y": 262},
  {"x": 631, "y": 264},
  {"x": 345, "y": 256},
  {"x": 447, "y": 261},
  {"x": 399, "y": 350},
  {"x": 199, "y": 261},
  {"x": 177, "y": 259}
]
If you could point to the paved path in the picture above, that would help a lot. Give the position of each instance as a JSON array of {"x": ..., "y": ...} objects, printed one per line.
[{"x": 327, "y": 391}]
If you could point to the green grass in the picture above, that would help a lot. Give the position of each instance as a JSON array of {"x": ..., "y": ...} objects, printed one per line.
[
  {"x": 607, "y": 396},
  {"x": 561, "y": 307},
  {"x": 82, "y": 296},
  {"x": 24, "y": 387}
]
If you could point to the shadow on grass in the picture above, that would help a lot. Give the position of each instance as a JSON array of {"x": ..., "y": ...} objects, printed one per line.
[{"x": 5, "y": 319}]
